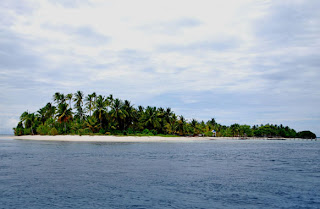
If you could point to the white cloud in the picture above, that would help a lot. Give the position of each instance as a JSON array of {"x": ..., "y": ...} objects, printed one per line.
[{"x": 161, "y": 51}]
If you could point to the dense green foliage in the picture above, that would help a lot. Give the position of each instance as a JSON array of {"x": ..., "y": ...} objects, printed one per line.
[
  {"x": 306, "y": 135},
  {"x": 96, "y": 114}
]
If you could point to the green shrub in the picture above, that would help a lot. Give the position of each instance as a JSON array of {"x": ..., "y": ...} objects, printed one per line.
[
  {"x": 27, "y": 131},
  {"x": 108, "y": 133},
  {"x": 96, "y": 134},
  {"x": 167, "y": 135},
  {"x": 80, "y": 131},
  {"x": 53, "y": 131},
  {"x": 130, "y": 131},
  {"x": 18, "y": 131},
  {"x": 43, "y": 130},
  {"x": 145, "y": 131},
  {"x": 60, "y": 130},
  {"x": 306, "y": 135},
  {"x": 117, "y": 132},
  {"x": 209, "y": 133},
  {"x": 154, "y": 132},
  {"x": 102, "y": 131}
]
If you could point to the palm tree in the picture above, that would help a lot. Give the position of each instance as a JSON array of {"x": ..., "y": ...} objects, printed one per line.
[
  {"x": 130, "y": 112},
  {"x": 150, "y": 118},
  {"x": 110, "y": 98},
  {"x": 182, "y": 125},
  {"x": 203, "y": 127},
  {"x": 194, "y": 124},
  {"x": 50, "y": 110},
  {"x": 168, "y": 114},
  {"x": 45, "y": 113},
  {"x": 171, "y": 126},
  {"x": 78, "y": 104},
  {"x": 78, "y": 98},
  {"x": 137, "y": 118},
  {"x": 41, "y": 114},
  {"x": 162, "y": 119},
  {"x": 117, "y": 113},
  {"x": 29, "y": 120},
  {"x": 89, "y": 103},
  {"x": 92, "y": 124},
  {"x": 235, "y": 128},
  {"x": 140, "y": 109},
  {"x": 212, "y": 121},
  {"x": 69, "y": 97},
  {"x": 100, "y": 109},
  {"x": 64, "y": 114},
  {"x": 59, "y": 98},
  {"x": 94, "y": 96}
]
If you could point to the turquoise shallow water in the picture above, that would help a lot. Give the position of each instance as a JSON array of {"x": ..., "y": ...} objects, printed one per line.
[{"x": 211, "y": 174}]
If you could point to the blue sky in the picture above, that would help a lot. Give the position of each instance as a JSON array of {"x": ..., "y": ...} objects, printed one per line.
[{"x": 239, "y": 61}]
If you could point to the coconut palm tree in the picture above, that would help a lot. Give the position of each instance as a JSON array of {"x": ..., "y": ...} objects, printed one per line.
[
  {"x": 64, "y": 114},
  {"x": 117, "y": 113},
  {"x": 137, "y": 118},
  {"x": 110, "y": 98},
  {"x": 212, "y": 121},
  {"x": 69, "y": 97},
  {"x": 89, "y": 103},
  {"x": 59, "y": 98},
  {"x": 94, "y": 96},
  {"x": 150, "y": 118},
  {"x": 92, "y": 124},
  {"x": 29, "y": 120},
  {"x": 50, "y": 110},
  {"x": 162, "y": 119},
  {"x": 78, "y": 99},
  {"x": 45, "y": 113},
  {"x": 171, "y": 126},
  {"x": 168, "y": 113},
  {"x": 181, "y": 126},
  {"x": 100, "y": 112},
  {"x": 140, "y": 109},
  {"x": 194, "y": 124},
  {"x": 130, "y": 112},
  {"x": 41, "y": 114},
  {"x": 235, "y": 128}
]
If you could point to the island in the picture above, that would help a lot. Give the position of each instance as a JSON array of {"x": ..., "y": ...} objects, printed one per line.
[{"x": 94, "y": 115}]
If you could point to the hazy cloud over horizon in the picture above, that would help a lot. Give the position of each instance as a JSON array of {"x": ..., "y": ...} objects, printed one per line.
[{"x": 243, "y": 61}]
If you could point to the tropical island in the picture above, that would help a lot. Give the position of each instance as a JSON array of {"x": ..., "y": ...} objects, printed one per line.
[{"x": 77, "y": 114}]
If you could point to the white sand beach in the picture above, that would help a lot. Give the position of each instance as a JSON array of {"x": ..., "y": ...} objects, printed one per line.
[{"x": 86, "y": 138}]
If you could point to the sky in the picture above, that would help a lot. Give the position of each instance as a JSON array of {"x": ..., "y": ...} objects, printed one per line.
[{"x": 238, "y": 61}]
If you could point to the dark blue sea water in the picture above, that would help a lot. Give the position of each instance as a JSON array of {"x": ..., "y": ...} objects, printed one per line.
[{"x": 212, "y": 174}]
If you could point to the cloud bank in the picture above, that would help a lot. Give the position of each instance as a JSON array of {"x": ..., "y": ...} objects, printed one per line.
[{"x": 244, "y": 61}]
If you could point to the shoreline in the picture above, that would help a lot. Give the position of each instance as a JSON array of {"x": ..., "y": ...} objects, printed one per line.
[{"x": 88, "y": 138}]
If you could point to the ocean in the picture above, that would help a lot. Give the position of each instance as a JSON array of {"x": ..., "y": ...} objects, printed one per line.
[{"x": 207, "y": 174}]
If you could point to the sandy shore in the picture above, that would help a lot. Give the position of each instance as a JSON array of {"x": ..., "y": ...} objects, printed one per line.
[{"x": 74, "y": 138}]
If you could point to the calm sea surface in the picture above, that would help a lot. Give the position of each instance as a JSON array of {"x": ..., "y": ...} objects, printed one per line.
[{"x": 212, "y": 174}]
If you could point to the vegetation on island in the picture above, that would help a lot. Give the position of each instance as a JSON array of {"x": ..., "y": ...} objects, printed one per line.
[{"x": 99, "y": 115}]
